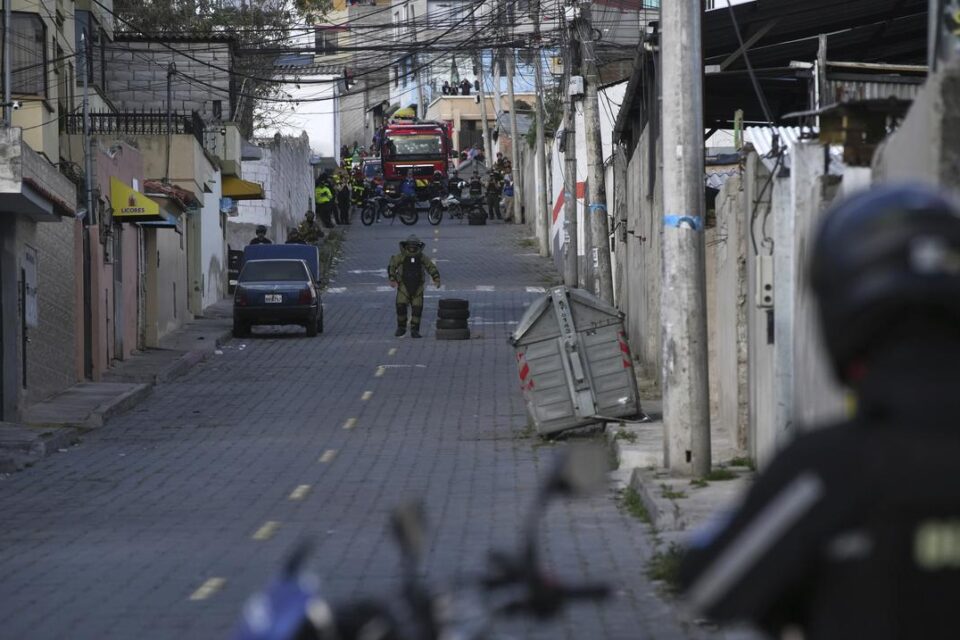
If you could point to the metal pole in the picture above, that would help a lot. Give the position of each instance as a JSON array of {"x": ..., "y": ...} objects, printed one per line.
[
  {"x": 487, "y": 142},
  {"x": 514, "y": 145},
  {"x": 686, "y": 399},
  {"x": 7, "y": 66},
  {"x": 571, "y": 257},
  {"x": 87, "y": 169},
  {"x": 171, "y": 71},
  {"x": 596, "y": 202},
  {"x": 542, "y": 213}
]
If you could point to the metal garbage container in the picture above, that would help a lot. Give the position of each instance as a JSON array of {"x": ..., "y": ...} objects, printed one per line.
[{"x": 574, "y": 362}]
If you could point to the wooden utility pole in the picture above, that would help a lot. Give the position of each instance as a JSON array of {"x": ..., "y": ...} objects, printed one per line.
[
  {"x": 683, "y": 308},
  {"x": 596, "y": 196},
  {"x": 571, "y": 248}
]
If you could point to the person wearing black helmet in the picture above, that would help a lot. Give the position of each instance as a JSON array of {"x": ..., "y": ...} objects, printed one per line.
[
  {"x": 406, "y": 271},
  {"x": 853, "y": 531},
  {"x": 261, "y": 237}
]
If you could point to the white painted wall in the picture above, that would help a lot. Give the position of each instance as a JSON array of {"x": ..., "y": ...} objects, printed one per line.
[{"x": 213, "y": 261}]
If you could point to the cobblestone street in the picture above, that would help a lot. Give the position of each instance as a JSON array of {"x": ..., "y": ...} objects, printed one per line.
[{"x": 162, "y": 522}]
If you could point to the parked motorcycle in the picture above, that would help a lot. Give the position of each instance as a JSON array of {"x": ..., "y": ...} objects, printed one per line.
[
  {"x": 514, "y": 583},
  {"x": 389, "y": 208},
  {"x": 447, "y": 204}
]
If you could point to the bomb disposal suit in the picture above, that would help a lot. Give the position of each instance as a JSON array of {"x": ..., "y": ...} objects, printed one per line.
[{"x": 406, "y": 272}]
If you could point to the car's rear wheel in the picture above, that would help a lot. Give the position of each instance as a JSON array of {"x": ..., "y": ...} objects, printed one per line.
[
  {"x": 240, "y": 329},
  {"x": 312, "y": 325},
  {"x": 320, "y": 321}
]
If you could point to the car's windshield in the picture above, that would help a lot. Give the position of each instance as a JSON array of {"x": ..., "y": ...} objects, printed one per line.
[
  {"x": 273, "y": 270},
  {"x": 424, "y": 145}
]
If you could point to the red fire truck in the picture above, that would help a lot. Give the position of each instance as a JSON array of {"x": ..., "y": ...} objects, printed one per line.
[{"x": 418, "y": 146}]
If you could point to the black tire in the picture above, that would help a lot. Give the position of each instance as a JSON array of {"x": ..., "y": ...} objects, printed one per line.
[
  {"x": 453, "y": 314},
  {"x": 449, "y": 323},
  {"x": 456, "y": 212},
  {"x": 453, "y": 334},
  {"x": 311, "y": 326},
  {"x": 240, "y": 329},
  {"x": 453, "y": 303},
  {"x": 409, "y": 216},
  {"x": 320, "y": 320},
  {"x": 368, "y": 215},
  {"x": 435, "y": 215}
]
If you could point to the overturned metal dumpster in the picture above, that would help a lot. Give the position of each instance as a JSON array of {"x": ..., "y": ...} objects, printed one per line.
[{"x": 573, "y": 361}]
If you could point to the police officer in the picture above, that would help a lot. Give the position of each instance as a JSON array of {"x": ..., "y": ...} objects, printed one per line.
[
  {"x": 406, "y": 271},
  {"x": 493, "y": 196},
  {"x": 323, "y": 196},
  {"x": 309, "y": 231},
  {"x": 853, "y": 531},
  {"x": 261, "y": 237}
]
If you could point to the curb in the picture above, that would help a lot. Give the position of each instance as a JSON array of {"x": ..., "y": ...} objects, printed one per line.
[
  {"x": 116, "y": 406},
  {"x": 44, "y": 442}
]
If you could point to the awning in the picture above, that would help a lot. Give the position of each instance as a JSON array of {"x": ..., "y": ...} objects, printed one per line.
[
  {"x": 238, "y": 189},
  {"x": 130, "y": 205}
]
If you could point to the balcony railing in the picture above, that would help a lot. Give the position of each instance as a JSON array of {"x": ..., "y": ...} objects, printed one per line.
[{"x": 139, "y": 123}]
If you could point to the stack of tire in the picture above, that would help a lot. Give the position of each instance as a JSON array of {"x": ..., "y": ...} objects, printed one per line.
[{"x": 452, "y": 314}]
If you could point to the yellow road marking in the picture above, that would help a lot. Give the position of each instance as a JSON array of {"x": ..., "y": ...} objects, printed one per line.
[
  {"x": 267, "y": 530},
  {"x": 366, "y": 395},
  {"x": 328, "y": 455},
  {"x": 380, "y": 371},
  {"x": 208, "y": 588},
  {"x": 300, "y": 492},
  {"x": 350, "y": 423},
  {"x": 392, "y": 352}
]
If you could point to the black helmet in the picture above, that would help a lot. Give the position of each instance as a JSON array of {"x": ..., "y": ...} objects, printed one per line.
[
  {"x": 261, "y": 229},
  {"x": 883, "y": 258}
]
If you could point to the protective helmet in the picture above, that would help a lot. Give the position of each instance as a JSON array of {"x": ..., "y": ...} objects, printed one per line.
[
  {"x": 883, "y": 259},
  {"x": 412, "y": 241},
  {"x": 437, "y": 174},
  {"x": 261, "y": 229}
]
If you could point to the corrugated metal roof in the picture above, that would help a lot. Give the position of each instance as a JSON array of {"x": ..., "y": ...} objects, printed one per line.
[{"x": 762, "y": 140}]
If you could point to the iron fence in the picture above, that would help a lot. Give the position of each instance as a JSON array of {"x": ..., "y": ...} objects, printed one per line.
[{"x": 139, "y": 123}]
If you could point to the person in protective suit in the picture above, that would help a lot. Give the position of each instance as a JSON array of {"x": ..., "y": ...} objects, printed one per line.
[
  {"x": 323, "y": 195},
  {"x": 853, "y": 530},
  {"x": 406, "y": 271},
  {"x": 309, "y": 231},
  {"x": 261, "y": 237}
]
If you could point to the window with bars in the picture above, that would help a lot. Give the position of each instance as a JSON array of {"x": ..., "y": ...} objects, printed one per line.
[{"x": 28, "y": 54}]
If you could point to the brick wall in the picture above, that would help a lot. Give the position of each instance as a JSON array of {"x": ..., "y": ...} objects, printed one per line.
[
  {"x": 51, "y": 363},
  {"x": 287, "y": 179},
  {"x": 136, "y": 76}
]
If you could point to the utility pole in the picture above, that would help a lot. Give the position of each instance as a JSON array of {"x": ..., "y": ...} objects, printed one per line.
[
  {"x": 7, "y": 66},
  {"x": 596, "y": 179},
  {"x": 686, "y": 398},
  {"x": 515, "y": 145},
  {"x": 171, "y": 71},
  {"x": 487, "y": 142},
  {"x": 571, "y": 257},
  {"x": 543, "y": 213}
]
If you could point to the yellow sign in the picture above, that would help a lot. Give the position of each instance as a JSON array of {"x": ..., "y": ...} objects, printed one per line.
[{"x": 129, "y": 204}]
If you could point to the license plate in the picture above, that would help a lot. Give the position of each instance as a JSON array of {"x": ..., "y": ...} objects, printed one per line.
[{"x": 273, "y": 297}]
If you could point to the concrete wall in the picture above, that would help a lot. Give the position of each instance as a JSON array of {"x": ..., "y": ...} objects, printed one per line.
[
  {"x": 287, "y": 180},
  {"x": 136, "y": 76},
  {"x": 926, "y": 146},
  {"x": 166, "y": 282},
  {"x": 729, "y": 327},
  {"x": 641, "y": 260}
]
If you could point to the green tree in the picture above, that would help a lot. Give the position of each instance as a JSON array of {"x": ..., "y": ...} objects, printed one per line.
[{"x": 258, "y": 27}]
